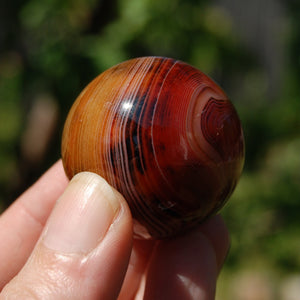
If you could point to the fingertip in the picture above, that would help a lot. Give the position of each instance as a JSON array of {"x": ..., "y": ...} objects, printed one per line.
[
  {"x": 189, "y": 263},
  {"x": 217, "y": 233},
  {"x": 83, "y": 252}
]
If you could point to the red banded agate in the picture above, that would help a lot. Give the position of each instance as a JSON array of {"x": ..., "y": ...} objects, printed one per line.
[{"x": 163, "y": 134}]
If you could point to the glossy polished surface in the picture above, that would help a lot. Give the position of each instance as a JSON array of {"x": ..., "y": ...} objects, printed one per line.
[{"x": 164, "y": 135}]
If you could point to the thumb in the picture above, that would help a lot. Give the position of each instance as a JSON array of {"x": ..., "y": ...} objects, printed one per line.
[{"x": 84, "y": 250}]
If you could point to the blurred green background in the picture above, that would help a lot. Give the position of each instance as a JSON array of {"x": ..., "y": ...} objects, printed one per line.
[{"x": 50, "y": 49}]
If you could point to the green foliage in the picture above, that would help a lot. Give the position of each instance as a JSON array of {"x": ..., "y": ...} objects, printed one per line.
[{"x": 263, "y": 213}]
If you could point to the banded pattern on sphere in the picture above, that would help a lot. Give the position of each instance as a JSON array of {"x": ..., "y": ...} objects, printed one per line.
[{"x": 164, "y": 135}]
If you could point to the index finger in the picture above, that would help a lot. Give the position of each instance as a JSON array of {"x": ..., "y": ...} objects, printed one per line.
[
  {"x": 22, "y": 223},
  {"x": 186, "y": 267}
]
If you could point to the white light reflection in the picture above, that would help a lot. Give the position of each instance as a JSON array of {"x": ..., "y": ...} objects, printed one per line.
[
  {"x": 127, "y": 105},
  {"x": 192, "y": 288}
]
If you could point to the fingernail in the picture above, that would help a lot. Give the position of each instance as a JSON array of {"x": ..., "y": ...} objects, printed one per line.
[{"x": 82, "y": 216}]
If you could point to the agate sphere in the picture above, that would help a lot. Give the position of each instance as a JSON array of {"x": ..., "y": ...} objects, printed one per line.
[{"x": 164, "y": 135}]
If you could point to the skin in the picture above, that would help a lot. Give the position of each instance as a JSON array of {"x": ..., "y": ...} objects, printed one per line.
[{"x": 54, "y": 246}]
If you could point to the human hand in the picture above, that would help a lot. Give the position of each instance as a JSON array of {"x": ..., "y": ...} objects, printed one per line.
[{"x": 82, "y": 247}]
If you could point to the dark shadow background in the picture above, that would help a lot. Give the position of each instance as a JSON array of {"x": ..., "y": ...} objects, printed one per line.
[{"x": 50, "y": 49}]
